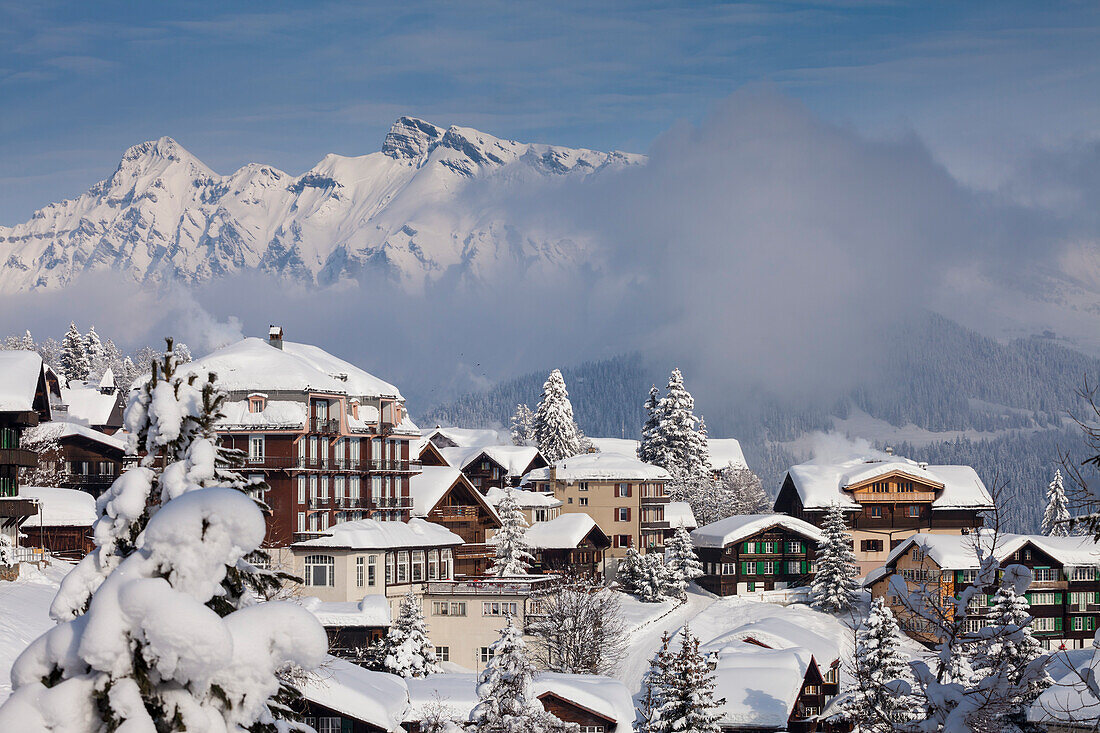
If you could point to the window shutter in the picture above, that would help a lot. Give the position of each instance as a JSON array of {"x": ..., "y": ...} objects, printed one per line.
[
  {"x": 346, "y": 725},
  {"x": 628, "y": 512},
  {"x": 629, "y": 488},
  {"x": 804, "y": 566},
  {"x": 1057, "y": 624}
]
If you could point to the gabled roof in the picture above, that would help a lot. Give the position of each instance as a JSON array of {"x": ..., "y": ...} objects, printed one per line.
[
  {"x": 679, "y": 512},
  {"x": 775, "y": 632},
  {"x": 600, "y": 467},
  {"x": 738, "y": 527},
  {"x": 563, "y": 532},
  {"x": 429, "y": 486},
  {"x": 821, "y": 484},
  {"x": 377, "y": 698},
  {"x": 467, "y": 437},
  {"x": 606, "y": 697},
  {"x": 372, "y": 610},
  {"x": 760, "y": 686},
  {"x": 723, "y": 451},
  {"x": 370, "y": 534},
  {"x": 20, "y": 374},
  {"x": 514, "y": 459},
  {"x": 959, "y": 552},
  {"x": 87, "y": 405}
]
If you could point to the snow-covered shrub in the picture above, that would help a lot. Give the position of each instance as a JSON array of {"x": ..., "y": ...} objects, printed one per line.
[{"x": 407, "y": 651}]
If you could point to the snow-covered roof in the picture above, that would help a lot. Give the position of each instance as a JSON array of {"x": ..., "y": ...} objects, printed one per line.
[
  {"x": 679, "y": 512},
  {"x": 59, "y": 430},
  {"x": 618, "y": 446},
  {"x": 276, "y": 414},
  {"x": 726, "y": 452},
  {"x": 760, "y": 686},
  {"x": 560, "y": 533},
  {"x": 776, "y": 632},
  {"x": 738, "y": 527},
  {"x": 602, "y": 695},
  {"x": 377, "y": 698},
  {"x": 1070, "y": 700},
  {"x": 455, "y": 692},
  {"x": 253, "y": 364},
  {"x": 370, "y": 534},
  {"x": 470, "y": 437},
  {"x": 822, "y": 484},
  {"x": 87, "y": 405},
  {"x": 19, "y": 374},
  {"x": 59, "y": 507},
  {"x": 372, "y": 610},
  {"x": 600, "y": 467},
  {"x": 107, "y": 381},
  {"x": 513, "y": 458},
  {"x": 959, "y": 552},
  {"x": 428, "y": 487},
  {"x": 524, "y": 499}
]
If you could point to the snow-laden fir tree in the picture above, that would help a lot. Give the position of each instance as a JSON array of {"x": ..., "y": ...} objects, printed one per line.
[
  {"x": 687, "y": 701},
  {"x": 26, "y": 342},
  {"x": 683, "y": 564},
  {"x": 1056, "y": 517},
  {"x": 649, "y": 448},
  {"x": 579, "y": 629},
  {"x": 183, "y": 354},
  {"x": 630, "y": 573},
  {"x": 654, "y": 581},
  {"x": 523, "y": 425},
  {"x": 555, "y": 429},
  {"x": 654, "y": 683},
  {"x": 93, "y": 347},
  {"x": 835, "y": 588},
  {"x": 506, "y": 700},
  {"x": 408, "y": 651},
  {"x": 512, "y": 556},
  {"x": 74, "y": 355},
  {"x": 126, "y": 374},
  {"x": 679, "y": 447},
  {"x": 876, "y": 704}
]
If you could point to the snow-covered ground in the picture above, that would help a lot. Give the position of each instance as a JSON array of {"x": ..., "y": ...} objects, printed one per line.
[{"x": 25, "y": 613}]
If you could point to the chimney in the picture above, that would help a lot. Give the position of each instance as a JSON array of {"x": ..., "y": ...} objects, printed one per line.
[
  {"x": 889, "y": 451},
  {"x": 275, "y": 337}
]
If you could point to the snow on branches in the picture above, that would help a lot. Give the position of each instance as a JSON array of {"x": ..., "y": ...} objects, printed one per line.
[
  {"x": 512, "y": 557},
  {"x": 835, "y": 588},
  {"x": 556, "y": 433}
]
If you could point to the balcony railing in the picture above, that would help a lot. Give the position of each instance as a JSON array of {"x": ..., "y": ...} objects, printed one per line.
[
  {"x": 324, "y": 426},
  {"x": 488, "y": 587},
  {"x": 363, "y": 502},
  {"x": 77, "y": 480},
  {"x": 461, "y": 513},
  {"x": 381, "y": 464},
  {"x": 18, "y": 457},
  {"x": 896, "y": 497},
  {"x": 1084, "y": 607}
]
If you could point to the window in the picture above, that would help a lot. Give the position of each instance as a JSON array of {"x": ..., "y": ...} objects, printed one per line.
[
  {"x": 767, "y": 567},
  {"x": 918, "y": 554},
  {"x": 622, "y": 490},
  {"x": 729, "y": 568},
  {"x": 1045, "y": 575},
  {"x": 592, "y": 729},
  {"x": 583, "y": 500},
  {"x": 914, "y": 511},
  {"x": 372, "y": 569},
  {"x": 417, "y": 566},
  {"x": 324, "y": 488},
  {"x": 389, "y": 568},
  {"x": 1046, "y": 598},
  {"x": 748, "y": 568},
  {"x": 320, "y": 570},
  {"x": 328, "y": 725},
  {"x": 1083, "y": 573},
  {"x": 498, "y": 608},
  {"x": 1046, "y": 624},
  {"x": 794, "y": 547},
  {"x": 338, "y": 488},
  {"x": 582, "y": 486},
  {"x": 870, "y": 545},
  {"x": 624, "y": 540},
  {"x": 622, "y": 514},
  {"x": 876, "y": 511},
  {"x": 301, "y": 521},
  {"x": 485, "y": 654},
  {"x": 255, "y": 449},
  {"x": 811, "y": 690},
  {"x": 360, "y": 571},
  {"x": 446, "y": 567},
  {"x": 448, "y": 608},
  {"x": 433, "y": 565},
  {"x": 794, "y": 567},
  {"x": 443, "y": 654},
  {"x": 402, "y": 566}
]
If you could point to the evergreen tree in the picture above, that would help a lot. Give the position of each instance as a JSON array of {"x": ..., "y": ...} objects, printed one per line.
[
  {"x": 835, "y": 588},
  {"x": 125, "y": 376},
  {"x": 26, "y": 343},
  {"x": 876, "y": 703},
  {"x": 512, "y": 557},
  {"x": 630, "y": 574},
  {"x": 687, "y": 699},
  {"x": 507, "y": 703},
  {"x": 1056, "y": 518},
  {"x": 683, "y": 564},
  {"x": 408, "y": 651},
  {"x": 649, "y": 449},
  {"x": 74, "y": 355},
  {"x": 183, "y": 354},
  {"x": 679, "y": 447},
  {"x": 523, "y": 425},
  {"x": 93, "y": 348},
  {"x": 654, "y": 683},
  {"x": 555, "y": 430},
  {"x": 654, "y": 580}
]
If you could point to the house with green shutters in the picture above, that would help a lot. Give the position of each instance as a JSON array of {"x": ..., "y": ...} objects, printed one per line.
[{"x": 752, "y": 553}]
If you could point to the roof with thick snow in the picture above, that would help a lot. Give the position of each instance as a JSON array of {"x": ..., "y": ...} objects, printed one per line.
[
  {"x": 513, "y": 458},
  {"x": 822, "y": 484},
  {"x": 760, "y": 686},
  {"x": 736, "y": 528},
  {"x": 679, "y": 512},
  {"x": 1070, "y": 700},
  {"x": 726, "y": 452},
  {"x": 469, "y": 437},
  {"x": 59, "y": 430},
  {"x": 524, "y": 499},
  {"x": 563, "y": 532},
  {"x": 600, "y": 467},
  {"x": 277, "y": 414},
  {"x": 59, "y": 507},
  {"x": 776, "y": 632},
  {"x": 455, "y": 692},
  {"x": 960, "y": 552},
  {"x": 253, "y": 364},
  {"x": 430, "y": 485},
  {"x": 372, "y": 610},
  {"x": 87, "y": 405},
  {"x": 19, "y": 374},
  {"x": 370, "y": 534},
  {"x": 377, "y": 698},
  {"x": 604, "y": 696}
]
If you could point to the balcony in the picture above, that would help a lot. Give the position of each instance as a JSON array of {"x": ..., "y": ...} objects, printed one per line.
[
  {"x": 1048, "y": 584},
  {"x": 324, "y": 426},
  {"x": 655, "y": 499},
  {"x": 18, "y": 457},
  {"x": 273, "y": 461},
  {"x": 1084, "y": 607},
  {"x": 398, "y": 466},
  {"x": 453, "y": 514},
  {"x": 385, "y": 428},
  {"x": 662, "y": 524},
  {"x": 474, "y": 551},
  {"x": 489, "y": 586},
  {"x": 87, "y": 480},
  {"x": 896, "y": 497}
]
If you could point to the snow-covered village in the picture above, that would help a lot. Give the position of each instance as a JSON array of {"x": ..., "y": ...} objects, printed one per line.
[{"x": 643, "y": 367}]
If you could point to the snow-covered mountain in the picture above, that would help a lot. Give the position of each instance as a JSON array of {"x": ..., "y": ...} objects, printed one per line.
[{"x": 164, "y": 215}]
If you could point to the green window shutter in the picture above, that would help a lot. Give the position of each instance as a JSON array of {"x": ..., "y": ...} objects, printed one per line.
[
  {"x": 1057, "y": 624},
  {"x": 1096, "y": 597},
  {"x": 1090, "y": 623},
  {"x": 804, "y": 566},
  {"x": 744, "y": 568},
  {"x": 346, "y": 725},
  {"x": 1028, "y": 597},
  {"x": 958, "y": 576}
]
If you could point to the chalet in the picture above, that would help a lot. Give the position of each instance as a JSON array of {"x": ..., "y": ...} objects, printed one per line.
[
  {"x": 98, "y": 406},
  {"x": 774, "y": 632},
  {"x": 443, "y": 495},
  {"x": 756, "y": 552},
  {"x": 369, "y": 557},
  {"x": 77, "y": 456},
  {"x": 62, "y": 522},
  {"x": 1064, "y": 594},
  {"x": 466, "y": 437},
  {"x": 331, "y": 440},
  {"x": 572, "y": 544},
  {"x": 342, "y": 697},
  {"x": 427, "y": 453},
  {"x": 351, "y": 626},
  {"x": 494, "y": 466},
  {"x": 24, "y": 401},
  {"x": 767, "y": 689},
  {"x": 886, "y": 500},
  {"x": 625, "y": 496},
  {"x": 535, "y": 505}
]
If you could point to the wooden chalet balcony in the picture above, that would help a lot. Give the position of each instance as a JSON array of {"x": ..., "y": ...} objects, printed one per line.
[
  {"x": 18, "y": 457},
  {"x": 895, "y": 497},
  {"x": 453, "y": 514},
  {"x": 1048, "y": 584},
  {"x": 663, "y": 524},
  {"x": 474, "y": 550}
]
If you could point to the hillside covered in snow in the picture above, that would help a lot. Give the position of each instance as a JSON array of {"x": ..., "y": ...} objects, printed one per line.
[{"x": 164, "y": 215}]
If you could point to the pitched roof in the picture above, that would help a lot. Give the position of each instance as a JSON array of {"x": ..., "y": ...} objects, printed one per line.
[
  {"x": 725, "y": 452},
  {"x": 377, "y": 698},
  {"x": 469, "y": 437},
  {"x": 560, "y": 533},
  {"x": 514, "y": 459},
  {"x": 432, "y": 484},
  {"x": 20, "y": 372},
  {"x": 370, "y": 534},
  {"x": 59, "y": 507},
  {"x": 776, "y": 632},
  {"x": 959, "y": 552},
  {"x": 600, "y": 466},
  {"x": 604, "y": 696},
  {"x": 59, "y": 430},
  {"x": 87, "y": 405},
  {"x": 760, "y": 686},
  {"x": 736, "y": 528},
  {"x": 679, "y": 512},
  {"x": 524, "y": 498}
]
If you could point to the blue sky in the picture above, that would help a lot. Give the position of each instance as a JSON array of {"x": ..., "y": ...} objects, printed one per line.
[{"x": 983, "y": 84}]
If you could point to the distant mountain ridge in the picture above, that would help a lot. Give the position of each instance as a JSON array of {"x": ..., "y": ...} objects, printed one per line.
[{"x": 165, "y": 215}]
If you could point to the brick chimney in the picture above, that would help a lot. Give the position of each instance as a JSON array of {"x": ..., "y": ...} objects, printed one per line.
[{"x": 275, "y": 337}]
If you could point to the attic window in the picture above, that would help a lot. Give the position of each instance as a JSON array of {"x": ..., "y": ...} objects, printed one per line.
[{"x": 257, "y": 402}]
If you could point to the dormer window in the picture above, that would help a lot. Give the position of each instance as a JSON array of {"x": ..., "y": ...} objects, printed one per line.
[{"x": 257, "y": 402}]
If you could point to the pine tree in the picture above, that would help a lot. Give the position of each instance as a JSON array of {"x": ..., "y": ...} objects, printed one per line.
[
  {"x": 835, "y": 588},
  {"x": 687, "y": 700},
  {"x": 679, "y": 448},
  {"x": 27, "y": 342},
  {"x": 507, "y": 703},
  {"x": 408, "y": 651},
  {"x": 649, "y": 449},
  {"x": 875, "y": 703},
  {"x": 630, "y": 574},
  {"x": 523, "y": 425},
  {"x": 512, "y": 557},
  {"x": 74, "y": 356},
  {"x": 683, "y": 564},
  {"x": 93, "y": 348},
  {"x": 654, "y": 683},
  {"x": 1056, "y": 518},
  {"x": 654, "y": 579},
  {"x": 125, "y": 376},
  {"x": 555, "y": 430}
]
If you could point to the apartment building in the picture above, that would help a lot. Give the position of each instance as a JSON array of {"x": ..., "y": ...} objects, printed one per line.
[
  {"x": 1064, "y": 594},
  {"x": 625, "y": 496},
  {"x": 886, "y": 500},
  {"x": 330, "y": 439},
  {"x": 756, "y": 552}
]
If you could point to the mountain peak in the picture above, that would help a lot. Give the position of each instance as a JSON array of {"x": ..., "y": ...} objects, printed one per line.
[
  {"x": 411, "y": 139},
  {"x": 159, "y": 154}
]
